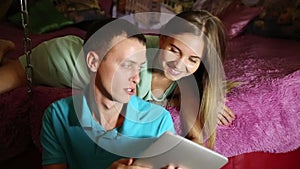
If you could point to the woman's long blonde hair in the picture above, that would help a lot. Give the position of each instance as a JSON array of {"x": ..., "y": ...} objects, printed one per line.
[{"x": 209, "y": 76}]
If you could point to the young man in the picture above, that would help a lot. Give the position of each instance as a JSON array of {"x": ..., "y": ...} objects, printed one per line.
[{"x": 107, "y": 122}]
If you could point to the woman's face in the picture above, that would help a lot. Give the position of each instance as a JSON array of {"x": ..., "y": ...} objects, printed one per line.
[{"x": 180, "y": 55}]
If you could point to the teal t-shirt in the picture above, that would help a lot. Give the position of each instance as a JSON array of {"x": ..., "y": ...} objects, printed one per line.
[{"x": 74, "y": 138}]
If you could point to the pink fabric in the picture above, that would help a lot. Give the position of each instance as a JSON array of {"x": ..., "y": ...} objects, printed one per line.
[
  {"x": 176, "y": 118},
  {"x": 15, "y": 134},
  {"x": 267, "y": 102}
]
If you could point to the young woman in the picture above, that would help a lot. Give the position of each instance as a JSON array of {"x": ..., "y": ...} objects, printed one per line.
[{"x": 192, "y": 45}]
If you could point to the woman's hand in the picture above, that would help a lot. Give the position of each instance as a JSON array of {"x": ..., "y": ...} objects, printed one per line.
[
  {"x": 226, "y": 117},
  {"x": 125, "y": 164}
]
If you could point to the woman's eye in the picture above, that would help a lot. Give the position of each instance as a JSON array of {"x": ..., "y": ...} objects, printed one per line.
[
  {"x": 194, "y": 59},
  {"x": 174, "y": 50}
]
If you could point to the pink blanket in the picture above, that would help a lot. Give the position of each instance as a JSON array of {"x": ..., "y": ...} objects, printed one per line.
[{"x": 267, "y": 102}]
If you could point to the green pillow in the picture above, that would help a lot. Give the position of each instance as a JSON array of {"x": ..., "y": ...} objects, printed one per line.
[
  {"x": 43, "y": 17},
  {"x": 152, "y": 41}
]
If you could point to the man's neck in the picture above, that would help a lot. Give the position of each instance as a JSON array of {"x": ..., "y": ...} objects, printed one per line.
[{"x": 106, "y": 111}]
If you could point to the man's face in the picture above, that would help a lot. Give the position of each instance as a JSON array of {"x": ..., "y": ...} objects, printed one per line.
[{"x": 118, "y": 72}]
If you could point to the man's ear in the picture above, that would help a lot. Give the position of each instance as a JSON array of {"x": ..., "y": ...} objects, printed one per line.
[{"x": 93, "y": 61}]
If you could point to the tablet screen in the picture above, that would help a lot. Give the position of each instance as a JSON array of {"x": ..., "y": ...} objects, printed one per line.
[{"x": 179, "y": 151}]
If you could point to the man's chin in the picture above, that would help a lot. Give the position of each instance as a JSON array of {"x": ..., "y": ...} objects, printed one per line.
[{"x": 125, "y": 100}]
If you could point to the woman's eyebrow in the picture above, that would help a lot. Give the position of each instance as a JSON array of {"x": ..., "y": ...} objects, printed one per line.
[
  {"x": 196, "y": 57},
  {"x": 193, "y": 56},
  {"x": 173, "y": 45}
]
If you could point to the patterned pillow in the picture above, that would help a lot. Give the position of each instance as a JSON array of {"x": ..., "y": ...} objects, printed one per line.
[
  {"x": 280, "y": 18},
  {"x": 79, "y": 10},
  {"x": 37, "y": 12},
  {"x": 214, "y": 7}
]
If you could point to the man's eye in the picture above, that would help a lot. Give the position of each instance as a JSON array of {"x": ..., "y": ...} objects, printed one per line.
[
  {"x": 142, "y": 67},
  {"x": 126, "y": 65}
]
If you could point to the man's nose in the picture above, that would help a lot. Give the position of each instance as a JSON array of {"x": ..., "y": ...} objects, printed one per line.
[{"x": 136, "y": 78}]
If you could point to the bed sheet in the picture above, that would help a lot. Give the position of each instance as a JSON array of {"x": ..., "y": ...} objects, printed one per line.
[{"x": 267, "y": 100}]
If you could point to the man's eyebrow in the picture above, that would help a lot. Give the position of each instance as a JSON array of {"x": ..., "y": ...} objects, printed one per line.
[{"x": 134, "y": 62}]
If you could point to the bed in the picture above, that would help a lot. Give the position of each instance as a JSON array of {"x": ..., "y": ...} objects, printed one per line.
[{"x": 265, "y": 133}]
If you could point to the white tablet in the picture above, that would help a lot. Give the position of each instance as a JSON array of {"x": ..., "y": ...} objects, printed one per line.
[{"x": 179, "y": 151}]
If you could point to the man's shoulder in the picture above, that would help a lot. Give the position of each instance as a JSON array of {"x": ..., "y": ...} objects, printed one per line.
[
  {"x": 60, "y": 107},
  {"x": 144, "y": 106},
  {"x": 63, "y": 101},
  {"x": 64, "y": 111}
]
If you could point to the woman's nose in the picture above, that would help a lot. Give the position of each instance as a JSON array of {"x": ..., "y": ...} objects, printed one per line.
[{"x": 180, "y": 62}]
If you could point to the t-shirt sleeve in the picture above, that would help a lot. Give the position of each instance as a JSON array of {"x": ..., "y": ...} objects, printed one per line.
[
  {"x": 52, "y": 151},
  {"x": 166, "y": 123}
]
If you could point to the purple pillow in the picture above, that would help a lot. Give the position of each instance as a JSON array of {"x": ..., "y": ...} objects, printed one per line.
[{"x": 237, "y": 16}]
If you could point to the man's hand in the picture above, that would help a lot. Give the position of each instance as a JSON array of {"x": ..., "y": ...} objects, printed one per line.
[
  {"x": 171, "y": 166},
  {"x": 125, "y": 164}
]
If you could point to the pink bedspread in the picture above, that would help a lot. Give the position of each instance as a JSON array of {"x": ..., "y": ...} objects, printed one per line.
[{"x": 267, "y": 103}]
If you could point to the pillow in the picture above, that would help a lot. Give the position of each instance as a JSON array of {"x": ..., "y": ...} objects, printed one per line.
[
  {"x": 43, "y": 17},
  {"x": 107, "y": 6},
  {"x": 279, "y": 18},
  {"x": 4, "y": 7},
  {"x": 234, "y": 15},
  {"x": 214, "y": 7},
  {"x": 80, "y": 10},
  {"x": 237, "y": 16}
]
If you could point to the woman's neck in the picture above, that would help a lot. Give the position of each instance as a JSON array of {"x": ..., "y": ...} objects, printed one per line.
[{"x": 160, "y": 83}]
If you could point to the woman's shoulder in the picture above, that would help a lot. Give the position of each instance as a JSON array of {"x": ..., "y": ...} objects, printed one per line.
[{"x": 152, "y": 40}]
